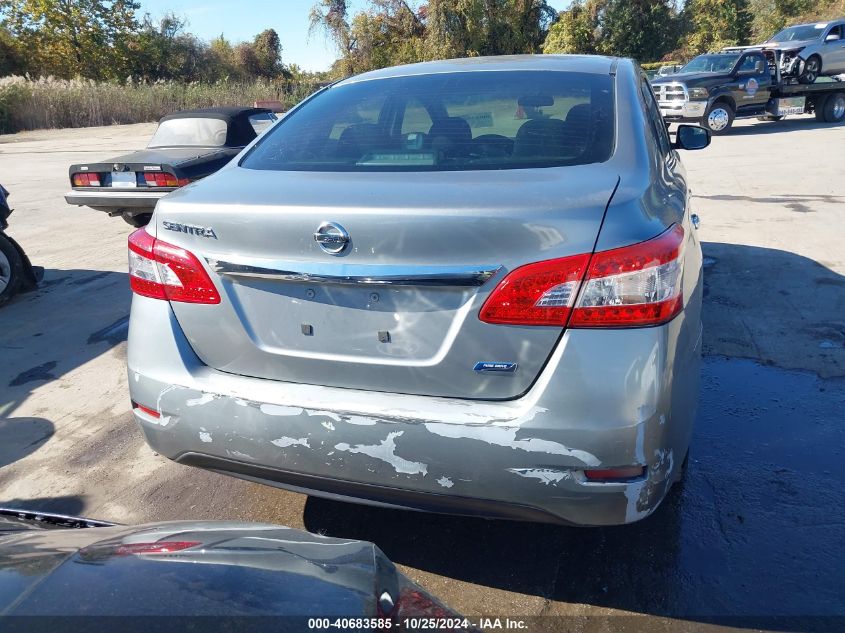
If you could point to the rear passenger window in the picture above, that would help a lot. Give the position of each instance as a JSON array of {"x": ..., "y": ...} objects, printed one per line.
[{"x": 655, "y": 122}]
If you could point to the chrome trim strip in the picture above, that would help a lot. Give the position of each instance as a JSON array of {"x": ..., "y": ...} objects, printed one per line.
[{"x": 457, "y": 276}]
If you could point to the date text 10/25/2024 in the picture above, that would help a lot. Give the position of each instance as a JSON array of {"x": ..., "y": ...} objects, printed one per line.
[{"x": 417, "y": 624}]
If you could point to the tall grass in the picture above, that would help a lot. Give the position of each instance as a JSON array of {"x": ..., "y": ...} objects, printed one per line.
[{"x": 28, "y": 104}]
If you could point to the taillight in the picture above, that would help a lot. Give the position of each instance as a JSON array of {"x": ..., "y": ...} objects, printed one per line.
[
  {"x": 163, "y": 271},
  {"x": 85, "y": 179},
  {"x": 635, "y": 285},
  {"x": 156, "y": 547},
  {"x": 537, "y": 294},
  {"x": 624, "y": 473},
  {"x": 632, "y": 286},
  {"x": 151, "y": 412},
  {"x": 163, "y": 179}
]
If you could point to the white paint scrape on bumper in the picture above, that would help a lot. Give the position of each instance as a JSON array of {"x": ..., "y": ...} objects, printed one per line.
[{"x": 523, "y": 458}]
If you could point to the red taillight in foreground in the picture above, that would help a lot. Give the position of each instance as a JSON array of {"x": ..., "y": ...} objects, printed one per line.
[
  {"x": 157, "y": 547},
  {"x": 615, "y": 474},
  {"x": 85, "y": 179},
  {"x": 633, "y": 286},
  {"x": 147, "y": 410},
  {"x": 162, "y": 179},
  {"x": 537, "y": 294},
  {"x": 163, "y": 271}
]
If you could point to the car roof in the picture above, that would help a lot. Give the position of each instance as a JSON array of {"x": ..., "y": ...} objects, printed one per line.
[
  {"x": 226, "y": 113},
  {"x": 593, "y": 64}
]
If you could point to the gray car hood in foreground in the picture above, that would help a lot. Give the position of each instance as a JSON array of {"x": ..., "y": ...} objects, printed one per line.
[{"x": 213, "y": 569}]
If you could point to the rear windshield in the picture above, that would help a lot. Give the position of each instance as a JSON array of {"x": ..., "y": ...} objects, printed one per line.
[
  {"x": 197, "y": 132},
  {"x": 449, "y": 121}
]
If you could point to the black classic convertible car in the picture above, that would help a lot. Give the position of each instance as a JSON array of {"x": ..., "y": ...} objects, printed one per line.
[{"x": 187, "y": 146}]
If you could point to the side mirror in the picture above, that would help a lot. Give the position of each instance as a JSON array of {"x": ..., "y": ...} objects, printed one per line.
[
  {"x": 691, "y": 137},
  {"x": 833, "y": 37}
]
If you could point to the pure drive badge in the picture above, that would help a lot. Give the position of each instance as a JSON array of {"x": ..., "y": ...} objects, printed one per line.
[{"x": 495, "y": 367}]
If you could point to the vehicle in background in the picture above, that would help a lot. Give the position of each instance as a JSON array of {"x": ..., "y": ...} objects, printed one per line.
[
  {"x": 17, "y": 274},
  {"x": 669, "y": 69},
  {"x": 810, "y": 51},
  {"x": 187, "y": 146},
  {"x": 224, "y": 572},
  {"x": 714, "y": 89},
  {"x": 469, "y": 286}
]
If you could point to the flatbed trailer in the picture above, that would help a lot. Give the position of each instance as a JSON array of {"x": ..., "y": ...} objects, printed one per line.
[{"x": 753, "y": 87}]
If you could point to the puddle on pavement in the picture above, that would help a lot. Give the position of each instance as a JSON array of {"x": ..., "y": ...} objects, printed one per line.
[
  {"x": 755, "y": 532},
  {"x": 757, "y": 528}
]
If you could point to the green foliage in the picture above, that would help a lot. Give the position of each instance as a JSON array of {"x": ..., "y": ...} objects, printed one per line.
[
  {"x": 717, "y": 23},
  {"x": 394, "y": 31},
  {"x": 655, "y": 29},
  {"x": 71, "y": 37},
  {"x": 825, "y": 10},
  {"x": 10, "y": 57},
  {"x": 104, "y": 39},
  {"x": 642, "y": 29},
  {"x": 576, "y": 30},
  {"x": 770, "y": 16}
]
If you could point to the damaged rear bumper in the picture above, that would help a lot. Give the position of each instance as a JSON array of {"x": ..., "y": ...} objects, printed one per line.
[{"x": 599, "y": 403}]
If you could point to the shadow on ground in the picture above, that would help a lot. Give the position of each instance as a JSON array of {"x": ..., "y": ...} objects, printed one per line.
[
  {"x": 754, "y": 534},
  {"x": 21, "y": 436},
  {"x": 779, "y": 127},
  {"x": 775, "y": 307},
  {"x": 71, "y": 505},
  {"x": 800, "y": 203},
  {"x": 74, "y": 316}
]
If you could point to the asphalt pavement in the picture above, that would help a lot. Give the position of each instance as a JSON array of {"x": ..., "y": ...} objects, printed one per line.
[{"x": 752, "y": 539}]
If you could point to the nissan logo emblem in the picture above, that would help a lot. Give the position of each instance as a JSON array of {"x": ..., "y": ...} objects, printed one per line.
[{"x": 332, "y": 237}]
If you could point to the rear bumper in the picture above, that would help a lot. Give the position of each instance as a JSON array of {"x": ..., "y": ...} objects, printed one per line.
[
  {"x": 605, "y": 399},
  {"x": 113, "y": 201}
]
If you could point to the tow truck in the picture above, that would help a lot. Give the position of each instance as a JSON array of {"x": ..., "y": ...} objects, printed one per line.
[{"x": 714, "y": 89}]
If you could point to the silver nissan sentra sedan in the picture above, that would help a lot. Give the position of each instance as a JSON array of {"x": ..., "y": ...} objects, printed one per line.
[{"x": 469, "y": 286}]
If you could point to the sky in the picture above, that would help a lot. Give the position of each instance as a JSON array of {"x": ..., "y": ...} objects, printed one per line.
[{"x": 239, "y": 21}]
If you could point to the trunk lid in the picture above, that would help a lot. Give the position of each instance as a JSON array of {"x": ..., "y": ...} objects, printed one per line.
[{"x": 397, "y": 310}]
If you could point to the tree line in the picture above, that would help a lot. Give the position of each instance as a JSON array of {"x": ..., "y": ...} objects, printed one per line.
[
  {"x": 391, "y": 32},
  {"x": 110, "y": 40},
  {"x": 650, "y": 30}
]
